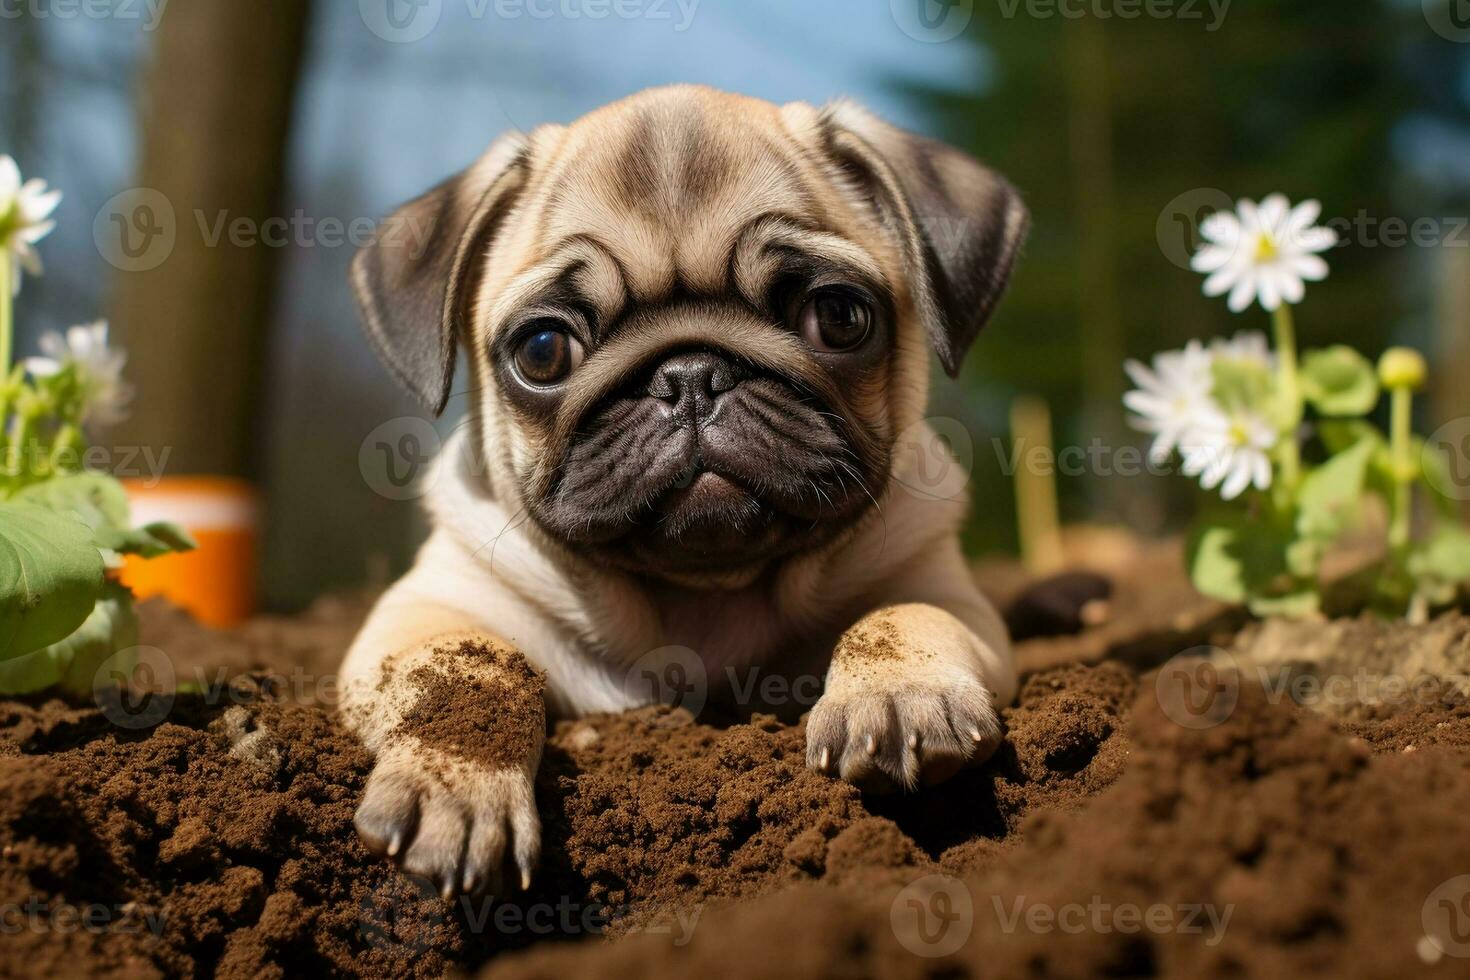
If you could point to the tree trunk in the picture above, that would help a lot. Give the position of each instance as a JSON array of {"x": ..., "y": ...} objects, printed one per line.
[
  {"x": 1449, "y": 364},
  {"x": 193, "y": 292}
]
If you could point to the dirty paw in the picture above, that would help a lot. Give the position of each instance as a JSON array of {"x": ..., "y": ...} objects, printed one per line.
[
  {"x": 467, "y": 828},
  {"x": 914, "y": 733}
]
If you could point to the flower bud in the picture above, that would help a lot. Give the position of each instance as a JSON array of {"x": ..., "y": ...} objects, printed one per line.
[{"x": 1402, "y": 367}]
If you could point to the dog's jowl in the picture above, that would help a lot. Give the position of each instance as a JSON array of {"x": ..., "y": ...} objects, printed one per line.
[{"x": 696, "y": 327}]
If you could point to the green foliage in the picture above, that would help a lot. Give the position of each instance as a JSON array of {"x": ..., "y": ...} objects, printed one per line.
[
  {"x": 74, "y": 660},
  {"x": 50, "y": 575},
  {"x": 1338, "y": 381},
  {"x": 1240, "y": 384},
  {"x": 59, "y": 615},
  {"x": 1330, "y": 496},
  {"x": 1267, "y": 553},
  {"x": 61, "y": 527}
]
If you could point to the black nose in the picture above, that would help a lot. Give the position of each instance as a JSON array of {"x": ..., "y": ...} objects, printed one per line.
[{"x": 692, "y": 383}]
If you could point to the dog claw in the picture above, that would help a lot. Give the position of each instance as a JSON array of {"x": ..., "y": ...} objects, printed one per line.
[
  {"x": 525, "y": 879},
  {"x": 913, "y": 740},
  {"x": 872, "y": 745},
  {"x": 825, "y": 762},
  {"x": 395, "y": 843}
]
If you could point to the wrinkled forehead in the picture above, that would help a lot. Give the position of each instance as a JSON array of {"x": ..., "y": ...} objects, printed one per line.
[{"x": 668, "y": 189}]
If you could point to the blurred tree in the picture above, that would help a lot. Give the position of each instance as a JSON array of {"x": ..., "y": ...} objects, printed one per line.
[
  {"x": 216, "y": 103},
  {"x": 1116, "y": 131}
]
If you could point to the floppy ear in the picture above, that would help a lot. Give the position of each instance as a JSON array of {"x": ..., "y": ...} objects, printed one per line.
[
  {"x": 413, "y": 281},
  {"x": 960, "y": 223}
]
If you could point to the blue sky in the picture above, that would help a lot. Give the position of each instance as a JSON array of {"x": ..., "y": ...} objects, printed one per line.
[{"x": 409, "y": 113}]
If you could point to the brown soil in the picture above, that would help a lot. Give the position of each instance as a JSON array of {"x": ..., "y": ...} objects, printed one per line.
[
  {"x": 1110, "y": 835},
  {"x": 481, "y": 702}
]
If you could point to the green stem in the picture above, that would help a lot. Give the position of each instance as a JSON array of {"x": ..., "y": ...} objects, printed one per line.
[
  {"x": 1290, "y": 393},
  {"x": 16, "y": 457},
  {"x": 1401, "y": 445},
  {"x": 7, "y": 303},
  {"x": 67, "y": 449}
]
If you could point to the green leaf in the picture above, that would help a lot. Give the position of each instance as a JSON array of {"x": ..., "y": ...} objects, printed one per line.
[
  {"x": 1443, "y": 556},
  {"x": 150, "y": 541},
  {"x": 1328, "y": 499},
  {"x": 74, "y": 660},
  {"x": 1214, "y": 567},
  {"x": 1340, "y": 434},
  {"x": 1240, "y": 383},
  {"x": 1301, "y": 603},
  {"x": 1435, "y": 474},
  {"x": 1339, "y": 381},
  {"x": 50, "y": 576},
  {"x": 1239, "y": 560},
  {"x": 95, "y": 499}
]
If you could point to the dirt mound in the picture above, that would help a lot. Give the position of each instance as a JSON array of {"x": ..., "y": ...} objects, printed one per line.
[
  {"x": 1111, "y": 834},
  {"x": 1272, "y": 844},
  {"x": 220, "y": 839}
]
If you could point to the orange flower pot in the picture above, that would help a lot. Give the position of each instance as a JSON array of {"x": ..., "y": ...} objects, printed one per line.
[{"x": 215, "y": 582}]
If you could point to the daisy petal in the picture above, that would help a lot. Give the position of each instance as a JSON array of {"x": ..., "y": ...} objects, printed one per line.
[
  {"x": 1221, "y": 282},
  {"x": 1222, "y": 228},
  {"x": 9, "y": 177},
  {"x": 1242, "y": 294},
  {"x": 1236, "y": 482}
]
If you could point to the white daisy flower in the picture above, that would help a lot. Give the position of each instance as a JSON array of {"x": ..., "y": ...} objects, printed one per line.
[
  {"x": 1229, "y": 452},
  {"x": 1265, "y": 252},
  {"x": 1171, "y": 398},
  {"x": 99, "y": 370},
  {"x": 25, "y": 212}
]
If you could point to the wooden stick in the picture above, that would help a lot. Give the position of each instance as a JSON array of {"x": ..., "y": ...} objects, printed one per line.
[{"x": 1037, "y": 517}]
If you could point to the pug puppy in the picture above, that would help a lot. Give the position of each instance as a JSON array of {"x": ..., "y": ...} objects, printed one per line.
[{"x": 697, "y": 328}]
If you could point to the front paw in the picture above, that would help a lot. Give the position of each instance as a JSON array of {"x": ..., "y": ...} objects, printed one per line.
[
  {"x": 882, "y": 734},
  {"x": 460, "y": 825}
]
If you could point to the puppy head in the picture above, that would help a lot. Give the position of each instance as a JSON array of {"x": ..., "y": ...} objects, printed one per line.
[{"x": 696, "y": 322}]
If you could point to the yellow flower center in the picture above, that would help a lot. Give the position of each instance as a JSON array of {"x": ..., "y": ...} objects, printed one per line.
[
  {"x": 1238, "y": 435},
  {"x": 1265, "y": 248}
]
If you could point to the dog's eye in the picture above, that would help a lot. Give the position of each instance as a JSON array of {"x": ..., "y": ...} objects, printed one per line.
[
  {"x": 547, "y": 356},
  {"x": 833, "y": 321}
]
